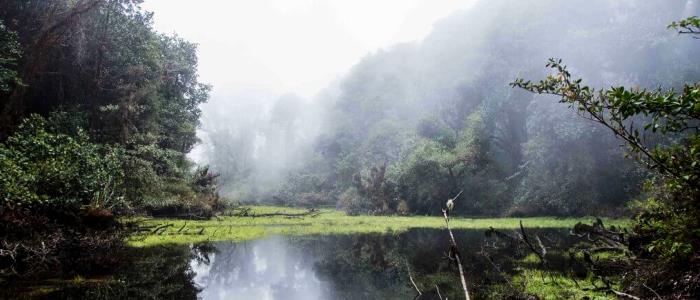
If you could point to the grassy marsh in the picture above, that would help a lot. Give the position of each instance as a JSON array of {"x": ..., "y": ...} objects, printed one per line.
[{"x": 234, "y": 228}]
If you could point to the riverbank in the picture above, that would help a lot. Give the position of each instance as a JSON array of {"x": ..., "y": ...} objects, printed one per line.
[{"x": 231, "y": 227}]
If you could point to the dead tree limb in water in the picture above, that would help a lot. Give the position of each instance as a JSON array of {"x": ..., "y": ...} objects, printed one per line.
[
  {"x": 408, "y": 269},
  {"x": 522, "y": 238},
  {"x": 486, "y": 255},
  {"x": 624, "y": 295},
  {"x": 541, "y": 253},
  {"x": 438, "y": 291},
  {"x": 458, "y": 257}
]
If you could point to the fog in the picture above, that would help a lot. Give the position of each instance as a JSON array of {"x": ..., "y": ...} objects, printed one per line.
[
  {"x": 291, "y": 46},
  {"x": 311, "y": 97},
  {"x": 256, "y": 52}
]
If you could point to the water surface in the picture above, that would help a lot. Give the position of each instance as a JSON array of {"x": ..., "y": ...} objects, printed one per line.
[{"x": 359, "y": 266}]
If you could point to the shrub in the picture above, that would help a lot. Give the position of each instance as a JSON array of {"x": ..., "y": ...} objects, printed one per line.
[{"x": 46, "y": 169}]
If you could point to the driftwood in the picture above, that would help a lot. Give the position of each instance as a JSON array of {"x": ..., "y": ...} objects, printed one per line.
[
  {"x": 624, "y": 295},
  {"x": 161, "y": 229},
  {"x": 246, "y": 212},
  {"x": 288, "y": 215},
  {"x": 188, "y": 216},
  {"x": 597, "y": 233}
]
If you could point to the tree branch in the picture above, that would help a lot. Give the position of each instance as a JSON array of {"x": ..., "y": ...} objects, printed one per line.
[{"x": 458, "y": 258}]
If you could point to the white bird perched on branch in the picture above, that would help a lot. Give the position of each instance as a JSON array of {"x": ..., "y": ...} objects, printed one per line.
[{"x": 451, "y": 202}]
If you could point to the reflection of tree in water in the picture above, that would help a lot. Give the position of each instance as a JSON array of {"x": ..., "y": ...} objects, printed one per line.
[
  {"x": 358, "y": 266},
  {"x": 148, "y": 273},
  {"x": 373, "y": 266},
  {"x": 369, "y": 266}
]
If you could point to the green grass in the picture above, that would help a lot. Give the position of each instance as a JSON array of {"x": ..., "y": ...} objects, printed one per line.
[
  {"x": 559, "y": 285},
  {"x": 552, "y": 285},
  {"x": 328, "y": 222}
]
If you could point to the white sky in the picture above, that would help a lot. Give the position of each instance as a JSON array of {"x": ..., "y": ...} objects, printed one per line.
[{"x": 295, "y": 46}]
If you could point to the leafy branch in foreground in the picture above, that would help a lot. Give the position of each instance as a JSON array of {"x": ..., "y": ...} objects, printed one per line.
[
  {"x": 667, "y": 228},
  {"x": 666, "y": 112},
  {"x": 690, "y": 25}
]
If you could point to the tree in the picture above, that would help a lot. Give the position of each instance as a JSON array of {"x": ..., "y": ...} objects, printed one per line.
[
  {"x": 9, "y": 54},
  {"x": 667, "y": 228}
]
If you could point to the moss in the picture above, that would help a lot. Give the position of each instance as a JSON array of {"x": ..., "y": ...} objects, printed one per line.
[{"x": 232, "y": 228}]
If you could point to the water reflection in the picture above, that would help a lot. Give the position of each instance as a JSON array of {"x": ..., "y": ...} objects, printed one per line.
[
  {"x": 370, "y": 266},
  {"x": 266, "y": 269},
  {"x": 363, "y": 266}
]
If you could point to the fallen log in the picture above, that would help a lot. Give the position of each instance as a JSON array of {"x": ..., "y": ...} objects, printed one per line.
[{"x": 310, "y": 213}]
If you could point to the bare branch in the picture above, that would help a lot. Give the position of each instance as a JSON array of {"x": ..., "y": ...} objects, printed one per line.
[
  {"x": 408, "y": 270},
  {"x": 624, "y": 295},
  {"x": 458, "y": 258},
  {"x": 438, "y": 291}
]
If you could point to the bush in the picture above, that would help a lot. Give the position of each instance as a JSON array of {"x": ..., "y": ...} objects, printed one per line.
[
  {"x": 45, "y": 169},
  {"x": 353, "y": 203}
]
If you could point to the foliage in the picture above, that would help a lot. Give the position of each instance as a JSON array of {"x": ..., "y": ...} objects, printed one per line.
[
  {"x": 440, "y": 115},
  {"x": 100, "y": 65},
  {"x": 690, "y": 25},
  {"x": 306, "y": 190},
  {"x": 42, "y": 169},
  {"x": 660, "y": 129},
  {"x": 375, "y": 191},
  {"x": 9, "y": 54},
  {"x": 668, "y": 112}
]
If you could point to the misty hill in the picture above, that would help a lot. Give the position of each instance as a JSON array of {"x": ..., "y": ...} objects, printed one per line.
[{"x": 411, "y": 125}]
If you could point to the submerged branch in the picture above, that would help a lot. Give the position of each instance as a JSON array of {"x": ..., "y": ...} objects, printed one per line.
[
  {"x": 408, "y": 270},
  {"x": 438, "y": 291},
  {"x": 624, "y": 295}
]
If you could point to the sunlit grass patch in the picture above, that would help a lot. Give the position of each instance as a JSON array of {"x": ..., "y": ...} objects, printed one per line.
[
  {"x": 329, "y": 221},
  {"x": 554, "y": 285}
]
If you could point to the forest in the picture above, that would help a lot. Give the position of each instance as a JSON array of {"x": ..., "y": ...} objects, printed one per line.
[
  {"x": 418, "y": 122},
  {"x": 564, "y": 137}
]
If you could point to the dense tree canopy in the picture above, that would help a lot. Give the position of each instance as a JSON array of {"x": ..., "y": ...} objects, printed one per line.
[{"x": 99, "y": 66}]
